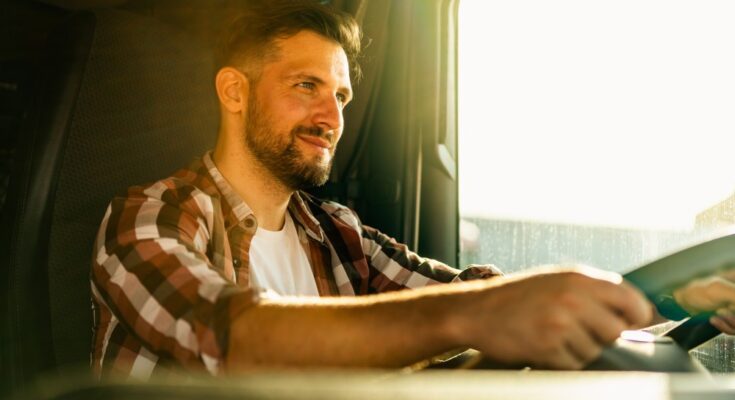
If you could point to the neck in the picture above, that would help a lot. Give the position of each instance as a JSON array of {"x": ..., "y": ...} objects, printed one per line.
[{"x": 266, "y": 196}]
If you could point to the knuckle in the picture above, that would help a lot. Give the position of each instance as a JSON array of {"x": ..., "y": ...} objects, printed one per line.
[
  {"x": 569, "y": 300},
  {"x": 555, "y": 323},
  {"x": 720, "y": 286},
  {"x": 550, "y": 346}
]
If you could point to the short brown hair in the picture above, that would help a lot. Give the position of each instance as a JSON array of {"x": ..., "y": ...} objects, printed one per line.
[{"x": 251, "y": 34}]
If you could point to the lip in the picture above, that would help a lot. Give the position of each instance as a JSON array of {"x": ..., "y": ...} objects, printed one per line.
[{"x": 316, "y": 141}]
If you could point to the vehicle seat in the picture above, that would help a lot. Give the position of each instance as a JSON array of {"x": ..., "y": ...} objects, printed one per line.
[{"x": 123, "y": 99}]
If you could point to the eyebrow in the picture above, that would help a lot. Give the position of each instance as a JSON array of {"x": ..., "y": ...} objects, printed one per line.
[{"x": 347, "y": 92}]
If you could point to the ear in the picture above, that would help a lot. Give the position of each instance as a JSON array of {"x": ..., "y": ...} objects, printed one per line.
[{"x": 232, "y": 89}]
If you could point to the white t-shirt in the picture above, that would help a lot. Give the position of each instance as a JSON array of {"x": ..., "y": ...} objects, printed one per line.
[{"x": 278, "y": 262}]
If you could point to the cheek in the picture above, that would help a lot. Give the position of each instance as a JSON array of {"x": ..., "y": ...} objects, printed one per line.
[
  {"x": 284, "y": 110},
  {"x": 293, "y": 110}
]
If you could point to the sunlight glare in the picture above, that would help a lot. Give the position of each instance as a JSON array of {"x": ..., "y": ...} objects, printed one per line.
[{"x": 596, "y": 113}]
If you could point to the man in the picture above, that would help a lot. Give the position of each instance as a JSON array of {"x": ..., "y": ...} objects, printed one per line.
[{"x": 185, "y": 268}]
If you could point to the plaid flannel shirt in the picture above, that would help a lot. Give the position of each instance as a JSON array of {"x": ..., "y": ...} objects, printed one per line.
[{"x": 170, "y": 269}]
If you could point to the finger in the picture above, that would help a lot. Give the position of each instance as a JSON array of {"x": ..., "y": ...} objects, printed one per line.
[
  {"x": 725, "y": 321},
  {"x": 562, "y": 359},
  {"x": 583, "y": 346},
  {"x": 604, "y": 324},
  {"x": 723, "y": 325},
  {"x": 629, "y": 302}
]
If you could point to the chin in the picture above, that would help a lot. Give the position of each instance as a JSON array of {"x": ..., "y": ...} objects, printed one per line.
[{"x": 309, "y": 177}]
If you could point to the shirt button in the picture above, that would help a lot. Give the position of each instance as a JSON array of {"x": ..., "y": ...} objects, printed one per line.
[
  {"x": 250, "y": 223},
  {"x": 236, "y": 262}
]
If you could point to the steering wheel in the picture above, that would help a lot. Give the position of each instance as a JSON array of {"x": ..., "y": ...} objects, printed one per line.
[{"x": 657, "y": 280}]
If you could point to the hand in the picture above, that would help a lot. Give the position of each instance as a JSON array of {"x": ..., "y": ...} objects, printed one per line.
[
  {"x": 710, "y": 294},
  {"x": 557, "y": 319}
]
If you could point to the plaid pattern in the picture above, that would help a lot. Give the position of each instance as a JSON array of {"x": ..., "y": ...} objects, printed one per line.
[{"x": 170, "y": 269}]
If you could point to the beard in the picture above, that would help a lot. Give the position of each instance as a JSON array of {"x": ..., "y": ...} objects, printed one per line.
[{"x": 280, "y": 154}]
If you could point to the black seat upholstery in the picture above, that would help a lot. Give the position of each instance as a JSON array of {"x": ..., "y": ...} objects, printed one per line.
[{"x": 126, "y": 100}]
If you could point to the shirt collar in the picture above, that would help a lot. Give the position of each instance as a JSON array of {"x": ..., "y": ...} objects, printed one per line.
[
  {"x": 300, "y": 212},
  {"x": 240, "y": 210}
]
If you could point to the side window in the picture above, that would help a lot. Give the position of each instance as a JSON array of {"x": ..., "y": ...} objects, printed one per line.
[{"x": 594, "y": 132}]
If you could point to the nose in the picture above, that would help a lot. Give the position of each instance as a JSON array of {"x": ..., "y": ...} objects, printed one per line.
[{"x": 329, "y": 114}]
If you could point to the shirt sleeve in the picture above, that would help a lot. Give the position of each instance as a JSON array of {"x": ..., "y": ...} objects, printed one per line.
[
  {"x": 396, "y": 267},
  {"x": 151, "y": 270}
]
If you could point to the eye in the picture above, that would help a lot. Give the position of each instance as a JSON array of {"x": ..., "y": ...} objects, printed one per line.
[
  {"x": 342, "y": 98},
  {"x": 307, "y": 85}
]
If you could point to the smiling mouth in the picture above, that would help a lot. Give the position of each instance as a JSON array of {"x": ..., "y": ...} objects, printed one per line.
[{"x": 316, "y": 142}]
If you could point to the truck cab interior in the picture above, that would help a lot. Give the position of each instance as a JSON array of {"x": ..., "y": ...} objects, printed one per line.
[{"x": 98, "y": 95}]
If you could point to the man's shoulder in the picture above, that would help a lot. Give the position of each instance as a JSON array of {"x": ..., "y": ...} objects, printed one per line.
[{"x": 191, "y": 184}]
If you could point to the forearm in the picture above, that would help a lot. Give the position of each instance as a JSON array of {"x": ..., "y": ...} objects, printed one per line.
[
  {"x": 387, "y": 330},
  {"x": 551, "y": 319}
]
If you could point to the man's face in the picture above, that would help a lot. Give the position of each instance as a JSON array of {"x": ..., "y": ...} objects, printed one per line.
[{"x": 294, "y": 117}]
